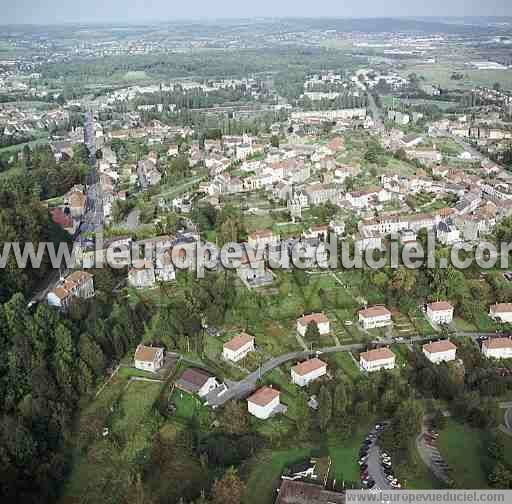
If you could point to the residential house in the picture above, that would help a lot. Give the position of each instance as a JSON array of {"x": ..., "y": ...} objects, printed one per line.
[
  {"x": 307, "y": 371},
  {"x": 411, "y": 141},
  {"x": 440, "y": 351},
  {"x": 165, "y": 271},
  {"x": 498, "y": 348},
  {"x": 301, "y": 492},
  {"x": 319, "y": 194},
  {"x": 317, "y": 231},
  {"x": 142, "y": 274},
  {"x": 196, "y": 381},
  {"x": 447, "y": 233},
  {"x": 264, "y": 238},
  {"x": 238, "y": 347},
  {"x": 63, "y": 219},
  {"x": 264, "y": 403},
  {"x": 148, "y": 358},
  {"x": 375, "y": 316},
  {"x": 440, "y": 312},
  {"x": 320, "y": 319},
  {"x": 78, "y": 284},
  {"x": 375, "y": 360},
  {"x": 501, "y": 312}
]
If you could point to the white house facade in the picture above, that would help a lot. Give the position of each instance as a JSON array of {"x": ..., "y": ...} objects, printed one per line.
[
  {"x": 375, "y": 360},
  {"x": 375, "y": 316},
  {"x": 440, "y": 351},
  {"x": 319, "y": 319},
  {"x": 498, "y": 348},
  {"x": 501, "y": 312},
  {"x": 148, "y": 358},
  {"x": 237, "y": 348},
  {"x": 305, "y": 372},
  {"x": 440, "y": 312},
  {"x": 263, "y": 403}
]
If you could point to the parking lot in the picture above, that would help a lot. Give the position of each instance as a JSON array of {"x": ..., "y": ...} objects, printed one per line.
[
  {"x": 376, "y": 465},
  {"x": 427, "y": 448}
]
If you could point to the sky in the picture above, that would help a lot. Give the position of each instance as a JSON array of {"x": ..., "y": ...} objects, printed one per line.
[{"x": 63, "y": 11}]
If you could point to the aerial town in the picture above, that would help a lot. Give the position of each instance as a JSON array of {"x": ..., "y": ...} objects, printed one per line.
[{"x": 131, "y": 377}]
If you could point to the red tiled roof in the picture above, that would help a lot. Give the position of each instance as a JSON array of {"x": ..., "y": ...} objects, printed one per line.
[
  {"x": 61, "y": 219},
  {"x": 318, "y": 318},
  {"x": 146, "y": 354},
  {"x": 377, "y": 354},
  {"x": 439, "y": 346},
  {"x": 440, "y": 306},
  {"x": 501, "y": 308},
  {"x": 308, "y": 366},
  {"x": 238, "y": 342},
  {"x": 264, "y": 396},
  {"x": 374, "y": 311},
  {"x": 495, "y": 343}
]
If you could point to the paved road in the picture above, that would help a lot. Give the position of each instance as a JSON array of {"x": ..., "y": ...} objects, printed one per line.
[{"x": 241, "y": 389}]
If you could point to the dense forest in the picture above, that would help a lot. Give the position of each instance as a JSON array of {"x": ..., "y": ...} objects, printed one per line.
[{"x": 49, "y": 366}]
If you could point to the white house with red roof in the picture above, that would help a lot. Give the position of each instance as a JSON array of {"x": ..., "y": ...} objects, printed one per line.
[
  {"x": 375, "y": 316},
  {"x": 238, "y": 347},
  {"x": 440, "y": 351},
  {"x": 498, "y": 348},
  {"x": 320, "y": 319},
  {"x": 501, "y": 312},
  {"x": 264, "y": 403},
  {"x": 78, "y": 284},
  {"x": 148, "y": 358},
  {"x": 305, "y": 372},
  {"x": 440, "y": 312},
  {"x": 263, "y": 238},
  {"x": 375, "y": 360}
]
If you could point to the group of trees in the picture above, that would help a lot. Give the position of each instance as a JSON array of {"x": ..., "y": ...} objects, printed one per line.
[
  {"x": 48, "y": 178},
  {"x": 49, "y": 363}
]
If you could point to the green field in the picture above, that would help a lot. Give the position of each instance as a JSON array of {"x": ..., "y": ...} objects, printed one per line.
[
  {"x": 389, "y": 101},
  {"x": 440, "y": 73},
  {"x": 463, "y": 449},
  {"x": 130, "y": 433},
  {"x": 265, "y": 471}
]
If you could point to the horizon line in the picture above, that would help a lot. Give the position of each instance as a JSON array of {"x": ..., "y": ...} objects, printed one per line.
[{"x": 153, "y": 22}]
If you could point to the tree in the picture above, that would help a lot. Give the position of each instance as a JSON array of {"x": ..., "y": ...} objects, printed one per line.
[
  {"x": 339, "y": 402},
  {"x": 312, "y": 332},
  {"x": 274, "y": 141},
  {"x": 228, "y": 490},
  {"x": 501, "y": 477},
  {"x": 303, "y": 422},
  {"x": 235, "y": 419},
  {"x": 324, "y": 407}
]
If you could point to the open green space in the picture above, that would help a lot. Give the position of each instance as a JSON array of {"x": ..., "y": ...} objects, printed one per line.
[
  {"x": 440, "y": 73},
  {"x": 130, "y": 424},
  {"x": 463, "y": 449}
]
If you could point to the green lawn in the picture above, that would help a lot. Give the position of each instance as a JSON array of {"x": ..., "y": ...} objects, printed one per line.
[
  {"x": 345, "y": 454},
  {"x": 266, "y": 470},
  {"x": 440, "y": 73},
  {"x": 345, "y": 362},
  {"x": 463, "y": 448},
  {"x": 187, "y": 405},
  {"x": 129, "y": 425}
]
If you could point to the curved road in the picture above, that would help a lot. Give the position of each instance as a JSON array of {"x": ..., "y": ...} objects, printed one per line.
[
  {"x": 240, "y": 390},
  {"x": 244, "y": 387}
]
